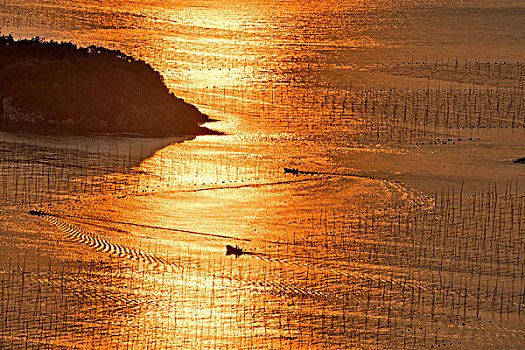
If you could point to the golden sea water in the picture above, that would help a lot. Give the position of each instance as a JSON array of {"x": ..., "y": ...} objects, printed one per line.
[{"x": 402, "y": 229}]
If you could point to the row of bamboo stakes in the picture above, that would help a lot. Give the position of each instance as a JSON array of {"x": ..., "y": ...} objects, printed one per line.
[{"x": 417, "y": 274}]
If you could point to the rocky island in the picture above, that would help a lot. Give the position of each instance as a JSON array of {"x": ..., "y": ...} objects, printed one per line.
[{"x": 59, "y": 87}]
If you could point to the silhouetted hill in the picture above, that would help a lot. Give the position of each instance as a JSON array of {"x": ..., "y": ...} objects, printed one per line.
[{"x": 59, "y": 87}]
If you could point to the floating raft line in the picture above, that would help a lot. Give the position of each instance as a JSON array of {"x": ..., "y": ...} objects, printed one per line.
[
  {"x": 295, "y": 171},
  {"x": 41, "y": 213}
]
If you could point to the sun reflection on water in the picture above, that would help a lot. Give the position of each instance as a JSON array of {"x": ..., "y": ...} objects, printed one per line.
[{"x": 129, "y": 245}]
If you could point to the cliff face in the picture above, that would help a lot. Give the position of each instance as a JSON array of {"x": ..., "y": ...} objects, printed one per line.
[{"x": 53, "y": 86}]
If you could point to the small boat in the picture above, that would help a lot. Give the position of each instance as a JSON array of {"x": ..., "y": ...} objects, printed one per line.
[
  {"x": 291, "y": 171},
  {"x": 231, "y": 250}
]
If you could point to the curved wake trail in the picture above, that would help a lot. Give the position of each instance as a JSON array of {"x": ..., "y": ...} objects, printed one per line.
[
  {"x": 123, "y": 301},
  {"x": 171, "y": 229},
  {"x": 101, "y": 243},
  {"x": 148, "y": 226}
]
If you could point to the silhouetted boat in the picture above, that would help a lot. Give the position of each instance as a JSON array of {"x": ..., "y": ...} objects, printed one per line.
[
  {"x": 291, "y": 171},
  {"x": 231, "y": 250}
]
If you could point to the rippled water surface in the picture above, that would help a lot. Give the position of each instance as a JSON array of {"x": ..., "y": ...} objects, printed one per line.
[{"x": 402, "y": 228}]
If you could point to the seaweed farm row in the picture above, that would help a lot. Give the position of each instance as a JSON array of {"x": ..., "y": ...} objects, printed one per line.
[
  {"x": 17, "y": 14},
  {"x": 361, "y": 115},
  {"x": 435, "y": 97},
  {"x": 443, "y": 271},
  {"x": 419, "y": 108},
  {"x": 47, "y": 171},
  {"x": 444, "y": 274},
  {"x": 466, "y": 71}
]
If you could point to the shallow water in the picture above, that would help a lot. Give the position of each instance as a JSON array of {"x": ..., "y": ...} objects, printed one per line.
[{"x": 403, "y": 229}]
